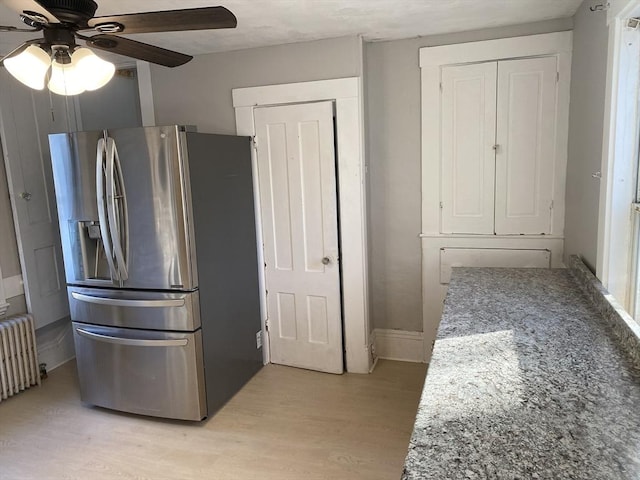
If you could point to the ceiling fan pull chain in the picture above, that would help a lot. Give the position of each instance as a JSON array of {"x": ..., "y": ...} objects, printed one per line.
[{"x": 51, "y": 109}]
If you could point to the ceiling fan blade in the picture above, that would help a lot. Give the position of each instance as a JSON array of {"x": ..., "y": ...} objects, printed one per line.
[
  {"x": 30, "y": 6},
  {"x": 139, "y": 50},
  {"x": 9, "y": 28},
  {"x": 168, "y": 21}
]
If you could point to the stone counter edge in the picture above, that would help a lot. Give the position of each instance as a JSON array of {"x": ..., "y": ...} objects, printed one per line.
[{"x": 624, "y": 326}]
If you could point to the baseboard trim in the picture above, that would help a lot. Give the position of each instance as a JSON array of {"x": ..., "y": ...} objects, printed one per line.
[
  {"x": 56, "y": 348},
  {"x": 399, "y": 345}
]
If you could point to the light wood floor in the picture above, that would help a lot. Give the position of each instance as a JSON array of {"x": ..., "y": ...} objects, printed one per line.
[{"x": 285, "y": 424}]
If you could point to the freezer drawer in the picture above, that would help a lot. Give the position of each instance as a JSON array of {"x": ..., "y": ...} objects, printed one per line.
[
  {"x": 150, "y": 373},
  {"x": 135, "y": 309}
]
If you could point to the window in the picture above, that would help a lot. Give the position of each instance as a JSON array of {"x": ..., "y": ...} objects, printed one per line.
[
  {"x": 619, "y": 242},
  {"x": 634, "y": 275}
]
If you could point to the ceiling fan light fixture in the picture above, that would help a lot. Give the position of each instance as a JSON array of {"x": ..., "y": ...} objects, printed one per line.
[
  {"x": 65, "y": 79},
  {"x": 94, "y": 71},
  {"x": 29, "y": 67},
  {"x": 60, "y": 22}
]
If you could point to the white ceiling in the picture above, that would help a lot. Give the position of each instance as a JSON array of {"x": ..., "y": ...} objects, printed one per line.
[{"x": 273, "y": 22}]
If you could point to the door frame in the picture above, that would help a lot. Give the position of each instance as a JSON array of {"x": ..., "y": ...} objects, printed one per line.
[{"x": 346, "y": 93}]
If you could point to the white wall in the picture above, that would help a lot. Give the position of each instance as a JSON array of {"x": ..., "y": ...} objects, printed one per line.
[
  {"x": 586, "y": 122},
  {"x": 393, "y": 122},
  {"x": 199, "y": 93}
]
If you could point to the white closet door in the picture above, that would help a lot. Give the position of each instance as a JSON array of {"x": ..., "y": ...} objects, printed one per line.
[
  {"x": 468, "y": 158},
  {"x": 26, "y": 118},
  {"x": 296, "y": 169},
  {"x": 526, "y": 126}
]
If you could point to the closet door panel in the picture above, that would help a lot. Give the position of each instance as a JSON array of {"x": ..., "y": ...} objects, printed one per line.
[
  {"x": 468, "y": 159},
  {"x": 525, "y": 157}
]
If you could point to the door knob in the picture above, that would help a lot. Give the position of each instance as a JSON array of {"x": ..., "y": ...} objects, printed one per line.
[
  {"x": 326, "y": 261},
  {"x": 25, "y": 196}
]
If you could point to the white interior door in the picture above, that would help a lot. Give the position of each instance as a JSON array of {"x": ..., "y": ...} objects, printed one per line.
[
  {"x": 525, "y": 159},
  {"x": 27, "y": 117},
  {"x": 468, "y": 158},
  {"x": 296, "y": 169}
]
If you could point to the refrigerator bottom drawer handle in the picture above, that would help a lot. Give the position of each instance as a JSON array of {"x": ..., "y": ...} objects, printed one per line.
[
  {"x": 117, "y": 302},
  {"x": 134, "y": 342}
]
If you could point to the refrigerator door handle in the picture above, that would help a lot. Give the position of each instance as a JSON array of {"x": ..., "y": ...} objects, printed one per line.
[
  {"x": 101, "y": 203},
  {"x": 125, "y": 211},
  {"x": 116, "y": 193},
  {"x": 120, "y": 302},
  {"x": 133, "y": 342}
]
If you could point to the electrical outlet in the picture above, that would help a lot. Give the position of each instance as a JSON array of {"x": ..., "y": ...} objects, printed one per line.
[{"x": 258, "y": 340}]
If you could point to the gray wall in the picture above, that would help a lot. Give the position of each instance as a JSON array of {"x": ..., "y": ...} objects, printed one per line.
[
  {"x": 116, "y": 105},
  {"x": 199, "y": 93},
  {"x": 393, "y": 122},
  {"x": 586, "y": 121}
]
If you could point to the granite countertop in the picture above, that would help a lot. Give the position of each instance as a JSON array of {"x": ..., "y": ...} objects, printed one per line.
[{"x": 527, "y": 381}]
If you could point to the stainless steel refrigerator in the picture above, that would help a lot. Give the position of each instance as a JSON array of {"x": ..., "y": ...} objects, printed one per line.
[{"x": 160, "y": 255}]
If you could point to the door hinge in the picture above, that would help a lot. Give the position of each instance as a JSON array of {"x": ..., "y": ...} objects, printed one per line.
[
  {"x": 441, "y": 205},
  {"x": 551, "y": 205},
  {"x": 557, "y": 77},
  {"x": 266, "y": 324},
  {"x": 254, "y": 141},
  {"x": 441, "y": 86}
]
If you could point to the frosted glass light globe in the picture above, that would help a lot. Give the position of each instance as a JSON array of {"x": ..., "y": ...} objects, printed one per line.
[
  {"x": 65, "y": 79},
  {"x": 29, "y": 67},
  {"x": 94, "y": 71}
]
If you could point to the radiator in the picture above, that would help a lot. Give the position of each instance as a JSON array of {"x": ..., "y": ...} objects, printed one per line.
[{"x": 18, "y": 356}]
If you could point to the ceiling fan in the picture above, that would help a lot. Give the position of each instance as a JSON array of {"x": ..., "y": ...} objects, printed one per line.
[{"x": 57, "y": 59}]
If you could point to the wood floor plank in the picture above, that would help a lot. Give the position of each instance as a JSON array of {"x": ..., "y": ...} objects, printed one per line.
[{"x": 286, "y": 423}]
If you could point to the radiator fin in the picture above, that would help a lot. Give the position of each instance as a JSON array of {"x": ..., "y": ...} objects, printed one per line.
[{"x": 19, "y": 368}]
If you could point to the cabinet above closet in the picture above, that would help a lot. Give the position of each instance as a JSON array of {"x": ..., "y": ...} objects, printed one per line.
[
  {"x": 495, "y": 123},
  {"x": 498, "y": 129}
]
